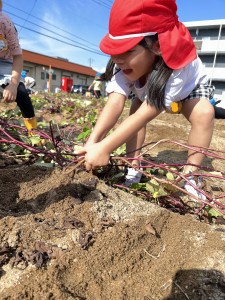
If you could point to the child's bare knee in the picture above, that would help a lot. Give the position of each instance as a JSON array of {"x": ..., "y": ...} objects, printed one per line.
[{"x": 204, "y": 116}]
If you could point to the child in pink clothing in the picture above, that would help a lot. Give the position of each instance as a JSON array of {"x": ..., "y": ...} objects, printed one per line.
[{"x": 11, "y": 66}]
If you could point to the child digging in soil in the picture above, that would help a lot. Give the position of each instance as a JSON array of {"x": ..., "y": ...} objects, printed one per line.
[
  {"x": 154, "y": 57},
  {"x": 11, "y": 66}
]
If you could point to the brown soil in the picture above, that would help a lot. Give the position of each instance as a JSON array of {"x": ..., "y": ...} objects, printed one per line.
[{"x": 70, "y": 236}]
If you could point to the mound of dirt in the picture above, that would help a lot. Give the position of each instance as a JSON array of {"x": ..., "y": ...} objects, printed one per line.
[{"x": 70, "y": 236}]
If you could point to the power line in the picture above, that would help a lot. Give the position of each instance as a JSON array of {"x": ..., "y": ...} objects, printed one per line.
[
  {"x": 74, "y": 43},
  {"x": 50, "y": 24},
  {"x": 110, "y": 2},
  {"x": 51, "y": 31},
  {"x": 101, "y": 3},
  {"x": 28, "y": 15},
  {"x": 99, "y": 53}
]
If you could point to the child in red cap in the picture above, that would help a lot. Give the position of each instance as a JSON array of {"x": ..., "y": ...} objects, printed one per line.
[{"x": 153, "y": 56}]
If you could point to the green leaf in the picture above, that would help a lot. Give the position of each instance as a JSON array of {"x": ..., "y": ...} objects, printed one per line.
[
  {"x": 25, "y": 139},
  {"x": 42, "y": 124},
  {"x": 155, "y": 195},
  {"x": 161, "y": 172},
  {"x": 82, "y": 136},
  {"x": 162, "y": 192},
  {"x": 138, "y": 186},
  {"x": 154, "y": 182},
  {"x": 63, "y": 123},
  {"x": 85, "y": 129},
  {"x": 155, "y": 189},
  {"x": 35, "y": 140},
  {"x": 150, "y": 188},
  {"x": 170, "y": 176},
  {"x": 120, "y": 150},
  {"x": 17, "y": 149},
  {"x": 170, "y": 188},
  {"x": 214, "y": 213}
]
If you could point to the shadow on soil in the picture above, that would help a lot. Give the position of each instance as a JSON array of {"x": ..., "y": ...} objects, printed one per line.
[{"x": 204, "y": 284}]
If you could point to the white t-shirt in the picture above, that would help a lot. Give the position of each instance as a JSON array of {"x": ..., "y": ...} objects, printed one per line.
[
  {"x": 180, "y": 84},
  {"x": 28, "y": 80}
]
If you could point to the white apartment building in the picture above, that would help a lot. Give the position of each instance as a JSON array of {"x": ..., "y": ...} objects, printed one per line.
[{"x": 209, "y": 37}]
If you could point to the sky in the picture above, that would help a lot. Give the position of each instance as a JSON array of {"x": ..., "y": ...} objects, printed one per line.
[{"x": 73, "y": 29}]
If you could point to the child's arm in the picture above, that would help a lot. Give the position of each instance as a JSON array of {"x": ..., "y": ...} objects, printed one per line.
[
  {"x": 98, "y": 154},
  {"x": 108, "y": 117},
  {"x": 10, "y": 91}
]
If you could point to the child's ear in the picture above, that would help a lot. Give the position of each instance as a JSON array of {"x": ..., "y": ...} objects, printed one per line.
[{"x": 156, "y": 48}]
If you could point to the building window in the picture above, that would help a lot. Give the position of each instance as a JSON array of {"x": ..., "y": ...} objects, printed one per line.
[
  {"x": 222, "y": 34},
  {"x": 45, "y": 75},
  {"x": 220, "y": 87},
  {"x": 207, "y": 60},
  {"x": 42, "y": 75},
  {"x": 82, "y": 81}
]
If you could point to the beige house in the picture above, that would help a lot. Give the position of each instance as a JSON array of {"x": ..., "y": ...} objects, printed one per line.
[{"x": 41, "y": 67}]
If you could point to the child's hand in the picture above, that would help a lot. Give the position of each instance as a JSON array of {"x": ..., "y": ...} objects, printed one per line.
[
  {"x": 10, "y": 92},
  {"x": 95, "y": 156}
]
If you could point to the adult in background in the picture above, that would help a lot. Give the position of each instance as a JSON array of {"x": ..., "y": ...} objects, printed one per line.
[{"x": 97, "y": 86}]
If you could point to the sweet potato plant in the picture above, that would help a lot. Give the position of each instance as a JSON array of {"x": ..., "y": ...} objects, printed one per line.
[{"x": 64, "y": 123}]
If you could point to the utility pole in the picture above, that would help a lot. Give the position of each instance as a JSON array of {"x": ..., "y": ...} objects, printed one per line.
[
  {"x": 50, "y": 71},
  {"x": 91, "y": 60}
]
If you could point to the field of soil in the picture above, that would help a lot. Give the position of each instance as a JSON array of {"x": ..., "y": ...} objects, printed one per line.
[{"x": 71, "y": 236}]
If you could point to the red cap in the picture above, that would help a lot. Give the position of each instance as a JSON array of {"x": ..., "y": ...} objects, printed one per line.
[{"x": 130, "y": 21}]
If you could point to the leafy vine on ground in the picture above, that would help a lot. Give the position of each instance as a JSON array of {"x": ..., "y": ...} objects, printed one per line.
[{"x": 55, "y": 141}]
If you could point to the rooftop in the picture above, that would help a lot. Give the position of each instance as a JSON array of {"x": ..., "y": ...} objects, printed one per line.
[
  {"x": 206, "y": 23},
  {"x": 57, "y": 63}
]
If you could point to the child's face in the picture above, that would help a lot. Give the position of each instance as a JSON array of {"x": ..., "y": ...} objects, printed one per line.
[{"x": 136, "y": 63}]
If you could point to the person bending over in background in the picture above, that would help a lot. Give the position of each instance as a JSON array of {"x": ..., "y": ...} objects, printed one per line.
[
  {"x": 219, "y": 108},
  {"x": 97, "y": 86},
  {"x": 154, "y": 56},
  {"x": 11, "y": 65}
]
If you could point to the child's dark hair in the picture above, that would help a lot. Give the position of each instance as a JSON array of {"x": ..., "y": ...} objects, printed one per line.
[
  {"x": 156, "y": 81},
  {"x": 109, "y": 70},
  {"x": 156, "y": 84}
]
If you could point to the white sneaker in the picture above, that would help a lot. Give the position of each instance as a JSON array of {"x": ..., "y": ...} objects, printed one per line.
[
  {"x": 133, "y": 176},
  {"x": 189, "y": 188}
]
